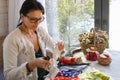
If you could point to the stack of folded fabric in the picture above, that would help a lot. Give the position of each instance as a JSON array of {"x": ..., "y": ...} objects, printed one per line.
[
  {"x": 70, "y": 72},
  {"x": 95, "y": 75},
  {"x": 65, "y": 78}
]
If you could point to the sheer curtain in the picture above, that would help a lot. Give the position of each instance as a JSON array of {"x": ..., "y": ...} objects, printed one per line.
[
  {"x": 13, "y": 13},
  {"x": 44, "y": 23}
]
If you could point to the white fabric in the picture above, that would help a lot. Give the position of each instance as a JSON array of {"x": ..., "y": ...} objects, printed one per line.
[
  {"x": 53, "y": 70},
  {"x": 18, "y": 50}
]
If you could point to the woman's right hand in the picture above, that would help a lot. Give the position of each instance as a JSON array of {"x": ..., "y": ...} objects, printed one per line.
[{"x": 41, "y": 62}]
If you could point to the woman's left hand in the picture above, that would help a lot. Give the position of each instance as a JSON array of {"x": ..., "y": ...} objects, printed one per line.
[{"x": 60, "y": 45}]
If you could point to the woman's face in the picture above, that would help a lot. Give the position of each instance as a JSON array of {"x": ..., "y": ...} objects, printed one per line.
[{"x": 32, "y": 19}]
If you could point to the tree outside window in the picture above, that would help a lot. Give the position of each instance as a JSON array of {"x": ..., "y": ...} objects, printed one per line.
[{"x": 69, "y": 18}]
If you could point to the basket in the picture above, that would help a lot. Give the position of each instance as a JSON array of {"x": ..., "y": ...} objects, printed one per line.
[{"x": 93, "y": 40}]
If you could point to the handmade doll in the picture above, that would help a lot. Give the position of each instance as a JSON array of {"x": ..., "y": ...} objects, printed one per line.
[{"x": 70, "y": 60}]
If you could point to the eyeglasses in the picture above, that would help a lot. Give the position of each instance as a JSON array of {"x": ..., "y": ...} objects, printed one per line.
[{"x": 34, "y": 20}]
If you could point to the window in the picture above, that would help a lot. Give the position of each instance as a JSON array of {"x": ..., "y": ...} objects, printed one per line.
[
  {"x": 114, "y": 24},
  {"x": 66, "y": 19}
]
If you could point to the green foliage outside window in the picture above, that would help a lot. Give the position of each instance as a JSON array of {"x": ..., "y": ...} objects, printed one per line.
[{"x": 74, "y": 16}]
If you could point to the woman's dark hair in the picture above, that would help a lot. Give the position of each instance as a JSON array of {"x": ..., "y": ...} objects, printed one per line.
[{"x": 30, "y": 5}]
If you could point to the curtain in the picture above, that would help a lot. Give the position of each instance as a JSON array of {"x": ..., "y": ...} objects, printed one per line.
[
  {"x": 52, "y": 16},
  {"x": 13, "y": 13},
  {"x": 44, "y": 23}
]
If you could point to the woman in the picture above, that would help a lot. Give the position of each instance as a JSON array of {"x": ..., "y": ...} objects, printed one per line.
[{"x": 24, "y": 48}]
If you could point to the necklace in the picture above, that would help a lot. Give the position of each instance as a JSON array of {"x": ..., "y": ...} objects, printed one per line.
[{"x": 24, "y": 30}]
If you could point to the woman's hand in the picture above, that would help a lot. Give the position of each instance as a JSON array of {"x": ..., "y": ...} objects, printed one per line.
[
  {"x": 41, "y": 62},
  {"x": 60, "y": 45}
]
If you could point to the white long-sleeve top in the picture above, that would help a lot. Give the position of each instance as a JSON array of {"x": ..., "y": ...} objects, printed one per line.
[{"x": 18, "y": 50}]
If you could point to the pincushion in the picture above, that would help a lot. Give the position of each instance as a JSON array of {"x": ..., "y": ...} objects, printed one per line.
[{"x": 104, "y": 59}]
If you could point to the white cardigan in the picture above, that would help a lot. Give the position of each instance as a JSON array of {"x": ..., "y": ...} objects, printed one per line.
[{"x": 18, "y": 50}]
